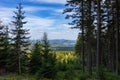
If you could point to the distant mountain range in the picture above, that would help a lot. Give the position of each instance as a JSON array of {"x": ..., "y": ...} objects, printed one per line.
[
  {"x": 60, "y": 42},
  {"x": 63, "y": 42}
]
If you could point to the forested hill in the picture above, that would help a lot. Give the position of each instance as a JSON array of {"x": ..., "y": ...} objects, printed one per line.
[
  {"x": 69, "y": 43},
  {"x": 60, "y": 44}
]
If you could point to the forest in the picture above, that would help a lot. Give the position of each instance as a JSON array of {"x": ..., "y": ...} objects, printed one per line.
[{"x": 96, "y": 55}]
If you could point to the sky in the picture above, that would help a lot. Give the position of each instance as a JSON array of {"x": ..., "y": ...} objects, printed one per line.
[{"x": 41, "y": 16}]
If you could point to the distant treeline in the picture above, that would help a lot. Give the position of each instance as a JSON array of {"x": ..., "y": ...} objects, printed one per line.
[{"x": 63, "y": 48}]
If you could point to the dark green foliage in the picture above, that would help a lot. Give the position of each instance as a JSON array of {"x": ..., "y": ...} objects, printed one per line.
[
  {"x": 47, "y": 68},
  {"x": 36, "y": 58},
  {"x": 96, "y": 51},
  {"x": 78, "y": 45},
  {"x": 63, "y": 48},
  {"x": 4, "y": 47},
  {"x": 12, "y": 62},
  {"x": 72, "y": 75},
  {"x": 98, "y": 21},
  {"x": 2, "y": 55},
  {"x": 83, "y": 76},
  {"x": 25, "y": 62},
  {"x": 111, "y": 76}
]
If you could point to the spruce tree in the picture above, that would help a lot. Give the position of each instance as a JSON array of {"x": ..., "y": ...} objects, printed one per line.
[
  {"x": 20, "y": 39},
  {"x": 47, "y": 70},
  {"x": 4, "y": 47},
  {"x": 36, "y": 58},
  {"x": 45, "y": 46},
  {"x": 47, "y": 64},
  {"x": 2, "y": 55}
]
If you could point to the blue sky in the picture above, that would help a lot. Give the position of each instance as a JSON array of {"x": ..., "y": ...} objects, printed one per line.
[{"x": 42, "y": 16}]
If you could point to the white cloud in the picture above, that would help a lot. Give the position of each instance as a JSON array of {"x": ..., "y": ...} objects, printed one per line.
[
  {"x": 39, "y": 25},
  {"x": 38, "y": 21},
  {"x": 70, "y": 34},
  {"x": 59, "y": 10},
  {"x": 66, "y": 26},
  {"x": 56, "y": 28},
  {"x": 36, "y": 8},
  {"x": 49, "y": 1},
  {"x": 6, "y": 14},
  {"x": 67, "y": 34}
]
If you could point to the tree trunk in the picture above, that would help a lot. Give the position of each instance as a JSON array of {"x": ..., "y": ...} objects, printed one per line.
[
  {"x": 117, "y": 35},
  {"x": 98, "y": 38},
  {"x": 19, "y": 63},
  {"x": 83, "y": 64},
  {"x": 89, "y": 40}
]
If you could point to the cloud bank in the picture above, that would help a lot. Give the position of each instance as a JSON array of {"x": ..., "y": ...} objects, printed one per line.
[
  {"x": 55, "y": 25},
  {"x": 49, "y": 1}
]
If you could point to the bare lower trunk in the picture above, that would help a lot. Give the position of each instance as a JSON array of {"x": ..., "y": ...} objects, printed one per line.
[
  {"x": 117, "y": 35},
  {"x": 98, "y": 39},
  {"x": 89, "y": 42}
]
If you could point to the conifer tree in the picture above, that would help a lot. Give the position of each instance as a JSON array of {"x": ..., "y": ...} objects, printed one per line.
[
  {"x": 47, "y": 69},
  {"x": 45, "y": 46},
  {"x": 36, "y": 58},
  {"x": 4, "y": 47},
  {"x": 76, "y": 7},
  {"x": 2, "y": 55},
  {"x": 20, "y": 39},
  {"x": 98, "y": 21}
]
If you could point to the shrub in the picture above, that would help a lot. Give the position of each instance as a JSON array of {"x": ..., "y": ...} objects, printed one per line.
[{"x": 111, "y": 76}]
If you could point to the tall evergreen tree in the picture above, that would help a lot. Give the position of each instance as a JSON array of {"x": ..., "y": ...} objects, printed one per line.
[
  {"x": 20, "y": 38},
  {"x": 77, "y": 7}
]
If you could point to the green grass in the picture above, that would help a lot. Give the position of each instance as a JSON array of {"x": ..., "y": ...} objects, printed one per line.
[{"x": 17, "y": 77}]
